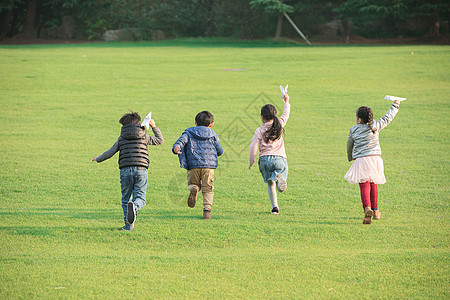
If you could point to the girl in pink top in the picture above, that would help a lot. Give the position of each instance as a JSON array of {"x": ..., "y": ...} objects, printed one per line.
[{"x": 272, "y": 156}]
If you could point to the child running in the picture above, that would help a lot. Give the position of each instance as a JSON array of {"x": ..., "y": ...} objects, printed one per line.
[
  {"x": 198, "y": 149},
  {"x": 133, "y": 163},
  {"x": 363, "y": 146},
  {"x": 272, "y": 156}
]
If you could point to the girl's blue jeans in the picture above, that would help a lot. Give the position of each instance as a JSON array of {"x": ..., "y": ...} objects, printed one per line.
[
  {"x": 271, "y": 165},
  {"x": 133, "y": 183}
]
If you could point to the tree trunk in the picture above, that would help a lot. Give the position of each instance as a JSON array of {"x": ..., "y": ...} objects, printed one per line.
[
  {"x": 279, "y": 26},
  {"x": 5, "y": 18},
  {"x": 347, "y": 29},
  {"x": 437, "y": 23},
  {"x": 30, "y": 17}
]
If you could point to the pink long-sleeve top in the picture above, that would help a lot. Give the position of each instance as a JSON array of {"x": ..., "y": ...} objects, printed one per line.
[{"x": 272, "y": 147}]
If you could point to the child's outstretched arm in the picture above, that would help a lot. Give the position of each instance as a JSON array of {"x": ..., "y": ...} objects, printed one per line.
[
  {"x": 389, "y": 116},
  {"x": 108, "y": 153}
]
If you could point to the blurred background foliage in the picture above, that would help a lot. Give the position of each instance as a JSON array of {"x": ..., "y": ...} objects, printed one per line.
[{"x": 243, "y": 19}]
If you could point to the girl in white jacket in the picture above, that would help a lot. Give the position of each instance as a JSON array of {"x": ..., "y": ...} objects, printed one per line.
[{"x": 363, "y": 146}]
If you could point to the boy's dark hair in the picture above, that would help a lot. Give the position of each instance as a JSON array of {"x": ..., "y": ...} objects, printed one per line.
[
  {"x": 130, "y": 118},
  {"x": 366, "y": 115},
  {"x": 269, "y": 112},
  {"x": 204, "y": 118}
]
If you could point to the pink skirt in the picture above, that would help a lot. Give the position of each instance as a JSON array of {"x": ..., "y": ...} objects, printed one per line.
[{"x": 367, "y": 168}]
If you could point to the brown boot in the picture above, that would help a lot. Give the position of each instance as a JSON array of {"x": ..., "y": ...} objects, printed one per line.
[
  {"x": 368, "y": 213},
  {"x": 376, "y": 214},
  {"x": 206, "y": 214},
  {"x": 192, "y": 199}
]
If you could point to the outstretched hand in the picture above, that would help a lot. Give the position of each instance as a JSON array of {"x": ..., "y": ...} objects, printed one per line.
[
  {"x": 397, "y": 102},
  {"x": 286, "y": 98},
  {"x": 94, "y": 158}
]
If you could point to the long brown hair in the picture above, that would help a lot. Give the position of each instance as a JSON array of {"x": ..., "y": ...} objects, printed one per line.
[
  {"x": 269, "y": 112},
  {"x": 366, "y": 115}
]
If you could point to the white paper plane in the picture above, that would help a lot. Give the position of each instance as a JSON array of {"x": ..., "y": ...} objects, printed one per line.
[
  {"x": 283, "y": 90},
  {"x": 393, "y": 98},
  {"x": 147, "y": 119}
]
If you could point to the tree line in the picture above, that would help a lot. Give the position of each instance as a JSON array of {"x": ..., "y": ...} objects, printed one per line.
[{"x": 245, "y": 19}]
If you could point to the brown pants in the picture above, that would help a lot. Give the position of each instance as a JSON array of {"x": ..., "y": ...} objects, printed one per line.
[{"x": 204, "y": 180}]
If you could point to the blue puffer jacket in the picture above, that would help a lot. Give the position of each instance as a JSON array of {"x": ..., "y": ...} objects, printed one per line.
[{"x": 200, "y": 148}]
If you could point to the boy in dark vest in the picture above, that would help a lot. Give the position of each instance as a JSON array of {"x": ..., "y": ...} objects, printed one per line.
[
  {"x": 133, "y": 163},
  {"x": 198, "y": 149}
]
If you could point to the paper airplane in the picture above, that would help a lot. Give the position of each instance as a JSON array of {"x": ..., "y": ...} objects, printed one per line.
[
  {"x": 393, "y": 98},
  {"x": 147, "y": 119},
  {"x": 283, "y": 90}
]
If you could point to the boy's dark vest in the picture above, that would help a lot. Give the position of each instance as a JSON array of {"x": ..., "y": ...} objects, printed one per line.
[{"x": 133, "y": 147}]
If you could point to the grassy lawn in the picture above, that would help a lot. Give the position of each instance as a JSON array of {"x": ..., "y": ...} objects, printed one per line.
[{"x": 60, "y": 106}]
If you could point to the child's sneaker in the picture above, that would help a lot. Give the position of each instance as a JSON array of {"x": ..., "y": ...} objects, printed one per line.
[
  {"x": 368, "y": 213},
  {"x": 192, "y": 199},
  {"x": 131, "y": 213},
  {"x": 275, "y": 211},
  {"x": 206, "y": 213},
  {"x": 281, "y": 183},
  {"x": 376, "y": 214},
  {"x": 128, "y": 226}
]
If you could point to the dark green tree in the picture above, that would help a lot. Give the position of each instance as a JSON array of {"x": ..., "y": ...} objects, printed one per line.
[{"x": 273, "y": 7}]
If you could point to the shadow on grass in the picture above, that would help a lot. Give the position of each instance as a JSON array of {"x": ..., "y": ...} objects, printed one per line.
[{"x": 178, "y": 215}]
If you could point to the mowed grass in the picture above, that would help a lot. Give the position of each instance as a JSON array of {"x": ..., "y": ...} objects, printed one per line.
[{"x": 60, "y": 106}]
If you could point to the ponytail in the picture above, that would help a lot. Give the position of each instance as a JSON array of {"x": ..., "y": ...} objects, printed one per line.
[
  {"x": 366, "y": 115},
  {"x": 269, "y": 112}
]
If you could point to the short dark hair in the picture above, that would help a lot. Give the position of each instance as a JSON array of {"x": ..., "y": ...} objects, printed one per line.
[
  {"x": 204, "y": 118},
  {"x": 130, "y": 118}
]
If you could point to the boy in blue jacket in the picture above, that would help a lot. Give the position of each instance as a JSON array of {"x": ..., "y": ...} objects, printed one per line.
[{"x": 198, "y": 149}]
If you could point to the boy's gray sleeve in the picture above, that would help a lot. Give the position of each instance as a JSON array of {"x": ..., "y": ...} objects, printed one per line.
[
  {"x": 157, "y": 139},
  {"x": 108, "y": 153},
  {"x": 350, "y": 144},
  {"x": 387, "y": 118},
  {"x": 180, "y": 142}
]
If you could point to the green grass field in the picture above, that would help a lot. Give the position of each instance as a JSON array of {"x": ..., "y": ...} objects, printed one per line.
[{"x": 60, "y": 106}]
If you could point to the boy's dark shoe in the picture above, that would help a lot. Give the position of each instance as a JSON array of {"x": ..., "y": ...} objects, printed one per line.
[
  {"x": 128, "y": 226},
  {"x": 206, "y": 213},
  {"x": 281, "y": 183},
  {"x": 275, "y": 211},
  {"x": 192, "y": 199},
  {"x": 131, "y": 213},
  {"x": 368, "y": 213}
]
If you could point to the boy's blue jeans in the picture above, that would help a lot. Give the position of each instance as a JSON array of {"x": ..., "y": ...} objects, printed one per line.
[{"x": 133, "y": 183}]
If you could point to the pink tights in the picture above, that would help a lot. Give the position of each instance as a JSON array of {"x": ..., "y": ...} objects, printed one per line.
[{"x": 369, "y": 194}]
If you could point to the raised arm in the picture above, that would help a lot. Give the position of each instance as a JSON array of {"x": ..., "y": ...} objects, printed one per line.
[
  {"x": 158, "y": 138},
  {"x": 388, "y": 117},
  {"x": 286, "y": 111}
]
